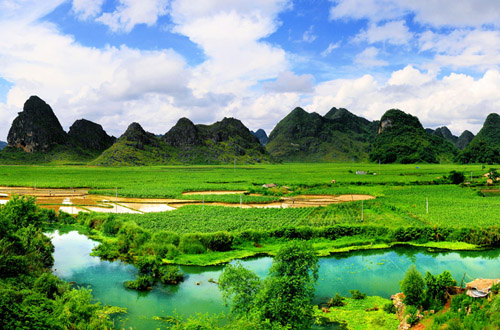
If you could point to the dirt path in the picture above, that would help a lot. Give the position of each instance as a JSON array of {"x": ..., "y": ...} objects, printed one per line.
[{"x": 78, "y": 200}]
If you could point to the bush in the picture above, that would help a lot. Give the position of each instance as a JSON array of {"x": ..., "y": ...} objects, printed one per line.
[
  {"x": 389, "y": 308},
  {"x": 356, "y": 294},
  {"x": 190, "y": 244},
  {"x": 336, "y": 301},
  {"x": 412, "y": 313},
  {"x": 412, "y": 286},
  {"x": 111, "y": 225},
  {"x": 219, "y": 241},
  {"x": 66, "y": 218},
  {"x": 167, "y": 237},
  {"x": 495, "y": 288},
  {"x": 171, "y": 274},
  {"x": 142, "y": 283}
]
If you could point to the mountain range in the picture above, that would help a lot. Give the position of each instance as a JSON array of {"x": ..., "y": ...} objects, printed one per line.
[{"x": 36, "y": 136}]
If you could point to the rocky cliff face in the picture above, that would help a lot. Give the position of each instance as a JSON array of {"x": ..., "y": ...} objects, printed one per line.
[
  {"x": 183, "y": 134},
  {"x": 90, "y": 135},
  {"x": 36, "y": 128},
  {"x": 139, "y": 137},
  {"x": 261, "y": 135},
  {"x": 464, "y": 139}
]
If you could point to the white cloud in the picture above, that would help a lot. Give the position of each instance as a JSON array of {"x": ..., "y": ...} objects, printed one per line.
[
  {"x": 368, "y": 58},
  {"x": 394, "y": 32},
  {"x": 309, "y": 35},
  {"x": 458, "y": 101},
  {"x": 85, "y": 9},
  {"x": 375, "y": 10},
  {"x": 288, "y": 82},
  {"x": 331, "y": 47},
  {"x": 115, "y": 86},
  {"x": 464, "y": 48},
  {"x": 130, "y": 13},
  {"x": 231, "y": 40},
  {"x": 456, "y": 13},
  {"x": 410, "y": 76}
]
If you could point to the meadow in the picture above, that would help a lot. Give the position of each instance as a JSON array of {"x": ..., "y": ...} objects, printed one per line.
[{"x": 411, "y": 195}]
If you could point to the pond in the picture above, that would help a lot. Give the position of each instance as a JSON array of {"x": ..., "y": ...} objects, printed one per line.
[{"x": 376, "y": 272}]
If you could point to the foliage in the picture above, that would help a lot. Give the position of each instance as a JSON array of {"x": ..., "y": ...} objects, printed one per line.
[
  {"x": 455, "y": 177},
  {"x": 30, "y": 296},
  {"x": 336, "y": 301},
  {"x": 411, "y": 313},
  {"x": 437, "y": 288},
  {"x": 241, "y": 286},
  {"x": 356, "y": 294},
  {"x": 389, "y": 308},
  {"x": 284, "y": 297},
  {"x": 412, "y": 286},
  {"x": 361, "y": 314},
  {"x": 141, "y": 283}
]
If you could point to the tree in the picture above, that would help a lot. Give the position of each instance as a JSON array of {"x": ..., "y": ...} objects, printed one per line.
[
  {"x": 412, "y": 286},
  {"x": 241, "y": 285},
  {"x": 284, "y": 298}
]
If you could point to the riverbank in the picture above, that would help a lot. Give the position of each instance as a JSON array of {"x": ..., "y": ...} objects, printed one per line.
[
  {"x": 322, "y": 247},
  {"x": 374, "y": 272}
]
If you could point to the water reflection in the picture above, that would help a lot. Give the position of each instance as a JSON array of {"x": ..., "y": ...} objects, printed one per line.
[{"x": 376, "y": 272}]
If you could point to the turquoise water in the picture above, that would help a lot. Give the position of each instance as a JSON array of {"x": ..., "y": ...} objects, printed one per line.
[{"x": 373, "y": 272}]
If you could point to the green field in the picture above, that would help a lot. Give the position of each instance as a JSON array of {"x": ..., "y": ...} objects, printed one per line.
[{"x": 402, "y": 192}]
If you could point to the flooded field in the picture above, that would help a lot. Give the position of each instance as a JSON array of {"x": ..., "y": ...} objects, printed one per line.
[{"x": 78, "y": 200}]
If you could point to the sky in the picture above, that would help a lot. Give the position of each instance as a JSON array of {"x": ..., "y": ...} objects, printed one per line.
[{"x": 154, "y": 61}]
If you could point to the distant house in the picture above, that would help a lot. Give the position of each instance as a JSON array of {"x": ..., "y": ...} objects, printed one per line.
[
  {"x": 360, "y": 172},
  {"x": 480, "y": 288}
]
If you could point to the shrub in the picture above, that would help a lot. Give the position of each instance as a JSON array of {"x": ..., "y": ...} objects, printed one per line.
[
  {"x": 171, "y": 274},
  {"x": 167, "y": 237},
  {"x": 356, "y": 294},
  {"x": 389, "y": 308},
  {"x": 412, "y": 313},
  {"x": 495, "y": 288},
  {"x": 66, "y": 218},
  {"x": 219, "y": 241},
  {"x": 336, "y": 301},
  {"x": 190, "y": 244},
  {"x": 412, "y": 286},
  {"x": 111, "y": 225},
  {"x": 142, "y": 283}
]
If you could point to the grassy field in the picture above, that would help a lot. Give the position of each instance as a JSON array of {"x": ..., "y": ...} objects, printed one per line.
[{"x": 403, "y": 193}]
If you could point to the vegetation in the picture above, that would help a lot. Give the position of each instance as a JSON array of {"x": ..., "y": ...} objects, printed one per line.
[
  {"x": 284, "y": 297},
  {"x": 360, "y": 314},
  {"x": 412, "y": 286},
  {"x": 30, "y": 296},
  {"x": 402, "y": 139}
]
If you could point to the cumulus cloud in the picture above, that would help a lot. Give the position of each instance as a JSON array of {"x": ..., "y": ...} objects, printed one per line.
[
  {"x": 394, "y": 32},
  {"x": 85, "y": 9},
  {"x": 464, "y": 48},
  {"x": 117, "y": 85},
  {"x": 458, "y": 101},
  {"x": 130, "y": 13},
  {"x": 458, "y": 13},
  {"x": 368, "y": 58},
  {"x": 230, "y": 33}
]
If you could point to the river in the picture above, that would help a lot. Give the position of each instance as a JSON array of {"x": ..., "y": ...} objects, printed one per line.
[{"x": 376, "y": 272}]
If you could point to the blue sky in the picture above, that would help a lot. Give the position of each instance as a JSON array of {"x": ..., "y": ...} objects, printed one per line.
[{"x": 154, "y": 61}]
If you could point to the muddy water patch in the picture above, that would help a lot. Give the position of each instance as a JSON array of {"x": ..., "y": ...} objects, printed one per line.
[{"x": 215, "y": 192}]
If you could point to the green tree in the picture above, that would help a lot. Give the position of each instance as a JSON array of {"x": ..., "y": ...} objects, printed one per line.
[
  {"x": 284, "y": 298},
  {"x": 241, "y": 285},
  {"x": 413, "y": 286}
]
